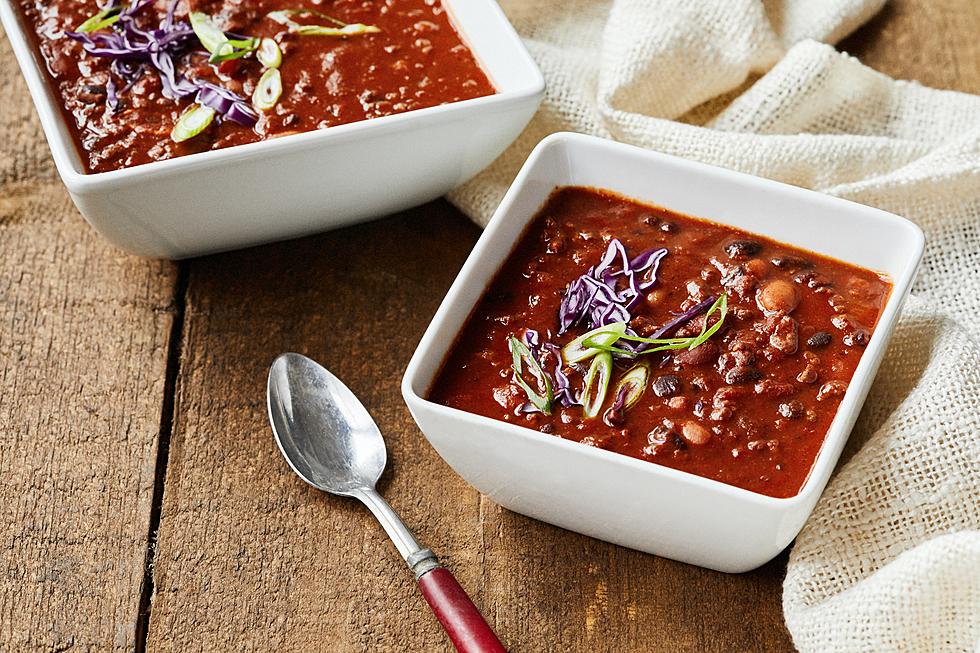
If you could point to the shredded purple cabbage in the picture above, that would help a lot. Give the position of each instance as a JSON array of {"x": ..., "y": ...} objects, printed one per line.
[
  {"x": 134, "y": 50},
  {"x": 607, "y": 292}
]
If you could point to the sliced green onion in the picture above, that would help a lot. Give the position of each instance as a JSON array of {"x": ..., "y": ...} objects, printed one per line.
[
  {"x": 211, "y": 37},
  {"x": 596, "y": 342},
  {"x": 577, "y": 350},
  {"x": 633, "y": 384},
  {"x": 216, "y": 42},
  {"x": 269, "y": 53},
  {"x": 192, "y": 122},
  {"x": 284, "y": 17},
  {"x": 542, "y": 396},
  {"x": 101, "y": 20},
  {"x": 597, "y": 384},
  {"x": 268, "y": 90},
  {"x": 354, "y": 29}
]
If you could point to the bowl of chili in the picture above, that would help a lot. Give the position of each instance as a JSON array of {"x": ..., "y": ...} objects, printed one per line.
[
  {"x": 181, "y": 128},
  {"x": 660, "y": 353}
]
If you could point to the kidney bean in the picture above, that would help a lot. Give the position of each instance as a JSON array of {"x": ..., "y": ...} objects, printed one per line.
[{"x": 703, "y": 353}]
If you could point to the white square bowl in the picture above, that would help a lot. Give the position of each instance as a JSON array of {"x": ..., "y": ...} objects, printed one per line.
[
  {"x": 610, "y": 496},
  {"x": 298, "y": 184}
]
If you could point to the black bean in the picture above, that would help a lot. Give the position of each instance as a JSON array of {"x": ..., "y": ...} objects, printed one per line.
[
  {"x": 740, "y": 375},
  {"x": 666, "y": 386},
  {"x": 95, "y": 89},
  {"x": 742, "y": 249},
  {"x": 790, "y": 262},
  {"x": 669, "y": 227},
  {"x": 819, "y": 339}
]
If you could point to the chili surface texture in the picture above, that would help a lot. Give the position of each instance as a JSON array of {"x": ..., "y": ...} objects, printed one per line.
[
  {"x": 750, "y": 407},
  {"x": 416, "y": 60}
]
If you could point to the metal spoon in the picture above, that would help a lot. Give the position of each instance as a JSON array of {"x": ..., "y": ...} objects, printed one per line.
[{"x": 331, "y": 442}]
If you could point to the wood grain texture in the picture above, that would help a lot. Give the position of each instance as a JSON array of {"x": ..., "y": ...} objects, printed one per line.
[
  {"x": 250, "y": 557},
  {"x": 84, "y": 335},
  {"x": 934, "y": 42}
]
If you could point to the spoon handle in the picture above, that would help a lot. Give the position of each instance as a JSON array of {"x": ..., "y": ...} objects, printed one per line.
[{"x": 466, "y": 627}]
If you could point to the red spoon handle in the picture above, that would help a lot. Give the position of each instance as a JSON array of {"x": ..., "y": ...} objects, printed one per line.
[{"x": 462, "y": 620}]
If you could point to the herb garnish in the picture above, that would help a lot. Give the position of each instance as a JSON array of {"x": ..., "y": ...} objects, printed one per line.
[
  {"x": 542, "y": 396},
  {"x": 340, "y": 28},
  {"x": 599, "y": 339}
]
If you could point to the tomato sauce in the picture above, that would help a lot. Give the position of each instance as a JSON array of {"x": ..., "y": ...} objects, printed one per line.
[
  {"x": 416, "y": 60},
  {"x": 750, "y": 407}
]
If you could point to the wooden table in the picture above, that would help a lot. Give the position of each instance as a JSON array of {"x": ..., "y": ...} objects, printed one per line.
[{"x": 144, "y": 505}]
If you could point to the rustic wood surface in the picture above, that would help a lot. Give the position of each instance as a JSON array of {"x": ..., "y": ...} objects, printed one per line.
[{"x": 136, "y": 460}]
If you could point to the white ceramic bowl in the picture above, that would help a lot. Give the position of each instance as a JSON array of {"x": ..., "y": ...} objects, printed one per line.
[
  {"x": 303, "y": 183},
  {"x": 611, "y": 496}
]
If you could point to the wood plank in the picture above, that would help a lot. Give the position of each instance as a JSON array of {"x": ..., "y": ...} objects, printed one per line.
[
  {"x": 84, "y": 335},
  {"x": 934, "y": 43},
  {"x": 249, "y": 556}
]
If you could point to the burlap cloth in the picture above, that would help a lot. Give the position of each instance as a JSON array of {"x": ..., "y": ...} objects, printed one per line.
[{"x": 890, "y": 560}]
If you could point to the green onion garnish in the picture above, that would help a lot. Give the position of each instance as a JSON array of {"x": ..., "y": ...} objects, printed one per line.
[
  {"x": 192, "y": 122},
  {"x": 216, "y": 42},
  {"x": 577, "y": 351},
  {"x": 269, "y": 53},
  {"x": 101, "y": 20},
  {"x": 542, "y": 396},
  {"x": 600, "y": 338},
  {"x": 268, "y": 90},
  {"x": 596, "y": 384},
  {"x": 340, "y": 28},
  {"x": 632, "y": 385},
  {"x": 207, "y": 32}
]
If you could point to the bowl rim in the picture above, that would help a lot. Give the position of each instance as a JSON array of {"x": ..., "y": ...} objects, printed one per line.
[
  {"x": 68, "y": 159},
  {"x": 428, "y": 347}
]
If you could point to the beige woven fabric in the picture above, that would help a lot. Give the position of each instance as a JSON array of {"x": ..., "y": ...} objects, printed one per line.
[{"x": 890, "y": 560}]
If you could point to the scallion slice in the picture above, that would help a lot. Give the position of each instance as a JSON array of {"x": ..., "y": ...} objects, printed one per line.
[
  {"x": 577, "y": 351},
  {"x": 597, "y": 384},
  {"x": 101, "y": 20},
  {"x": 192, "y": 122},
  {"x": 632, "y": 385},
  {"x": 542, "y": 396},
  {"x": 339, "y": 28},
  {"x": 268, "y": 90},
  {"x": 269, "y": 53},
  {"x": 353, "y": 29},
  {"x": 601, "y": 343},
  {"x": 210, "y": 36}
]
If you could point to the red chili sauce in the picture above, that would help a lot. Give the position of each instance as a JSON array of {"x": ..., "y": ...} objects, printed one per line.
[
  {"x": 416, "y": 60},
  {"x": 750, "y": 407}
]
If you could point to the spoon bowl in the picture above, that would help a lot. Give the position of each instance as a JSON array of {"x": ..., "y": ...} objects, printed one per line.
[{"x": 322, "y": 429}]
